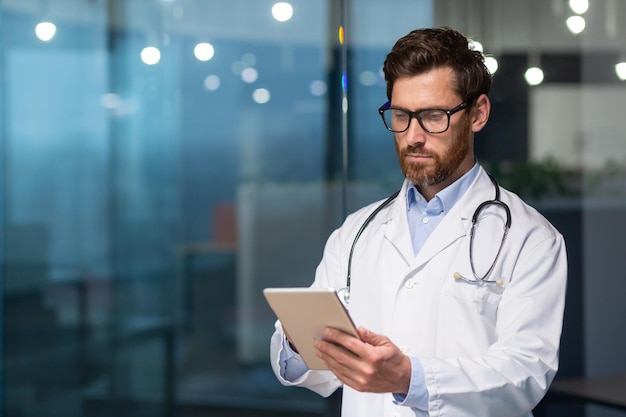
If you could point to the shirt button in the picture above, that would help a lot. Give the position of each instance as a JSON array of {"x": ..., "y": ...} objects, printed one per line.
[
  {"x": 410, "y": 283},
  {"x": 425, "y": 220}
]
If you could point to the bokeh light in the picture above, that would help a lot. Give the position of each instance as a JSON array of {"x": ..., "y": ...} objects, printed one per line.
[
  {"x": 534, "y": 76},
  {"x": 150, "y": 55},
  {"x": 45, "y": 31},
  {"x": 212, "y": 82},
  {"x": 261, "y": 95},
  {"x": 282, "y": 11},
  {"x": 204, "y": 51}
]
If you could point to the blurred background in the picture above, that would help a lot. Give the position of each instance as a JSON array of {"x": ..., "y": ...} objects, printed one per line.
[{"x": 164, "y": 160}]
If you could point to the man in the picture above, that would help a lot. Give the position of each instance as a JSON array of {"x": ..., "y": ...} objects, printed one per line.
[{"x": 452, "y": 322}]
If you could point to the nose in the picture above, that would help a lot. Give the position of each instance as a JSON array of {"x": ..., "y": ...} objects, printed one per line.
[{"x": 415, "y": 134}]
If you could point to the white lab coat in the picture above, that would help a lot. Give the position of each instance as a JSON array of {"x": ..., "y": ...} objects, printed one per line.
[{"x": 486, "y": 350}]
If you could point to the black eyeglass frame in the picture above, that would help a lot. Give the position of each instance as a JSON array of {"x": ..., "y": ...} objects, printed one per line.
[{"x": 416, "y": 115}]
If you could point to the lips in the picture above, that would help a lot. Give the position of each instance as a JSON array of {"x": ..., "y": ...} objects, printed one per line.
[{"x": 416, "y": 156}]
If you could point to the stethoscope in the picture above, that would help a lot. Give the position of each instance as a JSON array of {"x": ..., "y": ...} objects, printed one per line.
[{"x": 478, "y": 279}]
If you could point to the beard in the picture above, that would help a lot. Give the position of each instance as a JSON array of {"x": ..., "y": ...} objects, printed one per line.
[{"x": 444, "y": 163}]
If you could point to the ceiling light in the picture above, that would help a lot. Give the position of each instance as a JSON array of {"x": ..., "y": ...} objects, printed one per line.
[
  {"x": 534, "y": 76},
  {"x": 282, "y": 11},
  {"x": 575, "y": 24},
  {"x": 150, "y": 55},
  {"x": 492, "y": 64},
  {"x": 620, "y": 70},
  {"x": 45, "y": 31},
  {"x": 579, "y": 6},
  {"x": 261, "y": 95},
  {"x": 212, "y": 82},
  {"x": 249, "y": 75},
  {"x": 318, "y": 88},
  {"x": 204, "y": 51},
  {"x": 475, "y": 46}
]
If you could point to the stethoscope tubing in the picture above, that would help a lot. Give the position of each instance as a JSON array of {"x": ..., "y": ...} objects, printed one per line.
[
  {"x": 358, "y": 235},
  {"x": 482, "y": 206}
]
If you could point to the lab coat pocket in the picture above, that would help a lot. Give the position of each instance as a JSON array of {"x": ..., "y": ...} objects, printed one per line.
[{"x": 473, "y": 297}]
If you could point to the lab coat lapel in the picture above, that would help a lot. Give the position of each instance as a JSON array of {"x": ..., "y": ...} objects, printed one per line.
[
  {"x": 454, "y": 226},
  {"x": 397, "y": 228},
  {"x": 457, "y": 222}
]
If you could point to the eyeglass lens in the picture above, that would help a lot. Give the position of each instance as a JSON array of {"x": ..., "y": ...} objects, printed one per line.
[{"x": 433, "y": 121}]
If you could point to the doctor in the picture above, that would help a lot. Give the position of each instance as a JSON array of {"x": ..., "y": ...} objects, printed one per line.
[{"x": 452, "y": 322}]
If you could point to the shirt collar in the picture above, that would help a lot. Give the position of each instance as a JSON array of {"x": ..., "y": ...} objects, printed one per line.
[{"x": 445, "y": 199}]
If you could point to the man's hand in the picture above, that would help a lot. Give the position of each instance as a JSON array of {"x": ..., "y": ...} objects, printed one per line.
[{"x": 372, "y": 364}]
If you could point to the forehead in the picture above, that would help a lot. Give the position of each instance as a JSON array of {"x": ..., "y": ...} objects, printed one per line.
[{"x": 433, "y": 88}]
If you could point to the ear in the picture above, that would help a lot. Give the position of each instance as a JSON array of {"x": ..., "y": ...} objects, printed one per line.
[{"x": 480, "y": 113}]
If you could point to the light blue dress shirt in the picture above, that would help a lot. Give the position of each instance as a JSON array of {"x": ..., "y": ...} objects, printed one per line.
[{"x": 423, "y": 217}]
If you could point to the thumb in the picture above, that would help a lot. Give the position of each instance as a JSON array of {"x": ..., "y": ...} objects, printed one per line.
[{"x": 370, "y": 337}]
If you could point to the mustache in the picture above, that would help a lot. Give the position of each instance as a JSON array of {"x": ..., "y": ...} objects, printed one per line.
[{"x": 415, "y": 151}]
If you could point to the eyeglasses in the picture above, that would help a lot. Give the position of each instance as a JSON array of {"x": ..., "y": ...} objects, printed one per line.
[{"x": 431, "y": 120}]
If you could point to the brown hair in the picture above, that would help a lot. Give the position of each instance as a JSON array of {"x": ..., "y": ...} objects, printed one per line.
[{"x": 425, "y": 49}]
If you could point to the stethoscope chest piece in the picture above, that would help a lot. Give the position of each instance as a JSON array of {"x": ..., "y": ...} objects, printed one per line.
[{"x": 457, "y": 276}]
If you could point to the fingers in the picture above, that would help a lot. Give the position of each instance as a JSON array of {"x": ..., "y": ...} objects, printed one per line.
[
  {"x": 340, "y": 351},
  {"x": 337, "y": 336},
  {"x": 336, "y": 348},
  {"x": 350, "y": 344},
  {"x": 344, "y": 364},
  {"x": 369, "y": 364},
  {"x": 372, "y": 338}
]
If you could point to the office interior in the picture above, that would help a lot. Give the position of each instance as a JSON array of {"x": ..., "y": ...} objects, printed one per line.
[{"x": 163, "y": 161}]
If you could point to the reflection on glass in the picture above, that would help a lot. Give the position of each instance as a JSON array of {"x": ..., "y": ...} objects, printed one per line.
[
  {"x": 261, "y": 95},
  {"x": 212, "y": 82},
  {"x": 203, "y": 51},
  {"x": 249, "y": 75},
  {"x": 150, "y": 55},
  {"x": 318, "y": 88},
  {"x": 45, "y": 31},
  {"x": 282, "y": 11}
]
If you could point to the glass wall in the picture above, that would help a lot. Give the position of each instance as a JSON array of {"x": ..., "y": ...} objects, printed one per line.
[{"x": 165, "y": 160}]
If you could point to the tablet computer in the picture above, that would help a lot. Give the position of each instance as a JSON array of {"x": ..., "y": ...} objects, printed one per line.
[{"x": 304, "y": 313}]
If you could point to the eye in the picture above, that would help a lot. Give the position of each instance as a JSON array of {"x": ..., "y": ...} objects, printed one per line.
[
  {"x": 400, "y": 115},
  {"x": 433, "y": 115}
]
